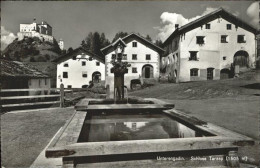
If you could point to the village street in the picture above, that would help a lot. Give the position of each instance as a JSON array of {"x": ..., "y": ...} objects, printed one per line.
[{"x": 23, "y": 138}]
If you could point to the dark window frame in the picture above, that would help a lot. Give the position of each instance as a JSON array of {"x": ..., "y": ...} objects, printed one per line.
[
  {"x": 223, "y": 38},
  {"x": 97, "y": 63},
  {"x": 134, "y": 56},
  {"x": 124, "y": 57},
  {"x": 194, "y": 72},
  {"x": 83, "y": 63},
  {"x": 229, "y": 26},
  {"x": 207, "y": 26},
  {"x": 193, "y": 56},
  {"x": 134, "y": 70},
  {"x": 65, "y": 75},
  {"x": 200, "y": 40},
  {"x": 66, "y": 64},
  {"x": 148, "y": 57},
  {"x": 241, "y": 38},
  {"x": 134, "y": 44}
]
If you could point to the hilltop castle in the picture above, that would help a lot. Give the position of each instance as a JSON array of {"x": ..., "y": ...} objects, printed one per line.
[{"x": 41, "y": 30}]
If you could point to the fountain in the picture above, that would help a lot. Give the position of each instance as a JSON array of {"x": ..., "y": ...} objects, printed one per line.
[{"x": 141, "y": 132}]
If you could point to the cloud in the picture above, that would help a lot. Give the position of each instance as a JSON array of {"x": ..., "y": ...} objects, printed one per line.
[
  {"x": 168, "y": 21},
  {"x": 7, "y": 37},
  {"x": 253, "y": 14}
]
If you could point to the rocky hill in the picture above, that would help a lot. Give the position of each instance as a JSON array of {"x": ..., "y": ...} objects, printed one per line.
[{"x": 32, "y": 50}]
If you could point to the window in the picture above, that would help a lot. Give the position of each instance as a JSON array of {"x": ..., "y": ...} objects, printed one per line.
[
  {"x": 83, "y": 63},
  {"x": 207, "y": 26},
  {"x": 223, "y": 39},
  {"x": 66, "y": 65},
  {"x": 134, "y": 44},
  {"x": 65, "y": 74},
  {"x": 148, "y": 57},
  {"x": 113, "y": 56},
  {"x": 224, "y": 58},
  {"x": 229, "y": 26},
  {"x": 69, "y": 86},
  {"x": 84, "y": 74},
  {"x": 200, "y": 40},
  {"x": 97, "y": 63},
  {"x": 193, "y": 55},
  {"x": 124, "y": 57},
  {"x": 194, "y": 72},
  {"x": 241, "y": 39},
  {"x": 134, "y": 70},
  {"x": 90, "y": 59},
  {"x": 134, "y": 57}
]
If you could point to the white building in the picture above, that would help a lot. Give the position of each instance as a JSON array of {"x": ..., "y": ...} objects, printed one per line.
[
  {"x": 78, "y": 68},
  {"x": 143, "y": 56},
  {"x": 41, "y": 30},
  {"x": 209, "y": 48}
]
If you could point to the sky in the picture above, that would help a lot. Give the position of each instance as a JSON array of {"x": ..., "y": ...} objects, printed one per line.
[{"x": 73, "y": 20}]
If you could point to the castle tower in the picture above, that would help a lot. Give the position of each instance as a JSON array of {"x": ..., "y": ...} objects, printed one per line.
[{"x": 61, "y": 44}]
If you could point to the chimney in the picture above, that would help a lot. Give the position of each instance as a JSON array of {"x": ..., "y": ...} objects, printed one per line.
[{"x": 176, "y": 26}]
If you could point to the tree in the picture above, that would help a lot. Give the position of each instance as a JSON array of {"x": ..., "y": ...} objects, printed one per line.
[
  {"x": 94, "y": 42},
  {"x": 119, "y": 35},
  {"x": 148, "y": 38},
  {"x": 70, "y": 50},
  {"x": 159, "y": 43}
]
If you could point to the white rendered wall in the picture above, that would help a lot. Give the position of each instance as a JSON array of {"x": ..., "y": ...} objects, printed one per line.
[{"x": 75, "y": 70}]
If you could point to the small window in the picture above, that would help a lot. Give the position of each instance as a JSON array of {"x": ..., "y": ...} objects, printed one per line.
[
  {"x": 69, "y": 86},
  {"x": 65, "y": 74},
  {"x": 134, "y": 70},
  {"x": 97, "y": 63},
  {"x": 148, "y": 57},
  {"x": 84, "y": 74},
  {"x": 200, "y": 40},
  {"x": 229, "y": 26},
  {"x": 134, "y": 44},
  {"x": 134, "y": 57},
  {"x": 124, "y": 57},
  {"x": 83, "y": 63},
  {"x": 65, "y": 65},
  {"x": 224, "y": 58},
  {"x": 113, "y": 56},
  {"x": 194, "y": 72},
  {"x": 193, "y": 55},
  {"x": 241, "y": 39},
  {"x": 223, "y": 39},
  {"x": 207, "y": 26},
  {"x": 90, "y": 59}
]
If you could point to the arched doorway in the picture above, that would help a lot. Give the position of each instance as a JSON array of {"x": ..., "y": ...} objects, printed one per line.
[
  {"x": 96, "y": 77},
  {"x": 147, "y": 71},
  {"x": 225, "y": 73},
  {"x": 241, "y": 58},
  {"x": 210, "y": 73}
]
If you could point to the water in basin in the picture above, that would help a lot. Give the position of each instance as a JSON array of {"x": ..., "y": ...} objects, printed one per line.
[{"x": 138, "y": 126}]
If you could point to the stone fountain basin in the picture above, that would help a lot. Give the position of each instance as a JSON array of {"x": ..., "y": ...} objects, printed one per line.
[{"x": 215, "y": 140}]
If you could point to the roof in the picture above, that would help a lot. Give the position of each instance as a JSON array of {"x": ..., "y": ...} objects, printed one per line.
[
  {"x": 208, "y": 18},
  {"x": 19, "y": 69},
  {"x": 129, "y": 38},
  {"x": 78, "y": 51}
]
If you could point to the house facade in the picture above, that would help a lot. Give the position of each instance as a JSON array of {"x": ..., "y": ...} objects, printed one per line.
[
  {"x": 143, "y": 56},
  {"x": 78, "y": 68},
  {"x": 209, "y": 48},
  {"x": 17, "y": 75}
]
